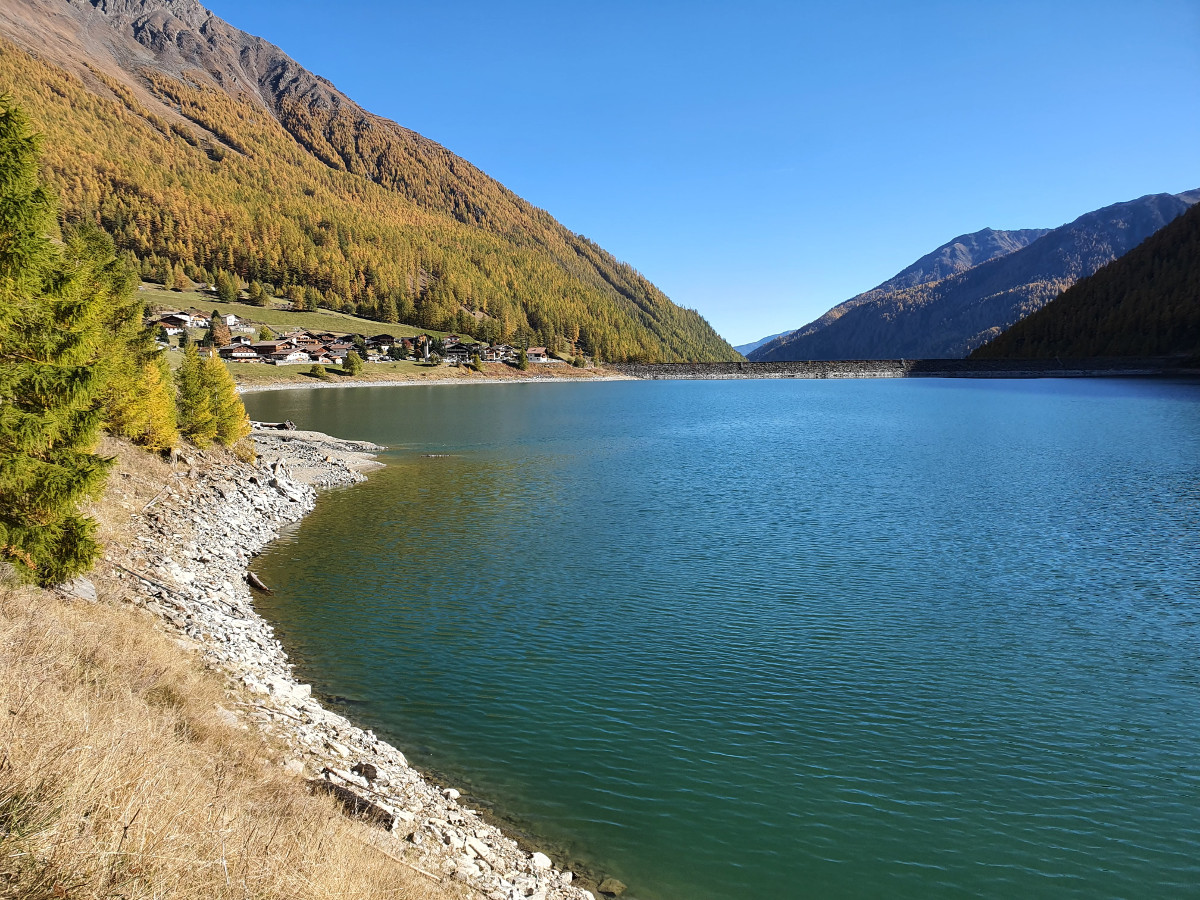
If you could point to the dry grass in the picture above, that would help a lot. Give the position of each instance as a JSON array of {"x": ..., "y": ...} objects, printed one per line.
[{"x": 119, "y": 777}]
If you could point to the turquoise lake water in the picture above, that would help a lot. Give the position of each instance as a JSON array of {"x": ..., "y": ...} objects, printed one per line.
[{"x": 887, "y": 638}]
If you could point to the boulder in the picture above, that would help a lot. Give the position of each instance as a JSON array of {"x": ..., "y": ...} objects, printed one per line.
[{"x": 612, "y": 887}]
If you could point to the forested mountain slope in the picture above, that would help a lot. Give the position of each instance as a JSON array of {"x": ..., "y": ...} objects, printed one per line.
[
  {"x": 951, "y": 317},
  {"x": 1147, "y": 303},
  {"x": 958, "y": 255},
  {"x": 195, "y": 143}
]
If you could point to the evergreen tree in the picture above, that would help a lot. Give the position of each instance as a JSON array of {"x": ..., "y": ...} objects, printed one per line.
[
  {"x": 50, "y": 384},
  {"x": 197, "y": 421},
  {"x": 227, "y": 288},
  {"x": 522, "y": 359},
  {"x": 257, "y": 294}
]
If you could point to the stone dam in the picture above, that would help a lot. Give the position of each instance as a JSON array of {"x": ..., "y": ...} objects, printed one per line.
[{"x": 916, "y": 368}]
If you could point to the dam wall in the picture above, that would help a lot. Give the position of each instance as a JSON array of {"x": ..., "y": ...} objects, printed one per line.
[{"x": 915, "y": 368}]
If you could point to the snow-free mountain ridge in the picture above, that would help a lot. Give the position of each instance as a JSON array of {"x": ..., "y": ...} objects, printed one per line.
[{"x": 972, "y": 288}]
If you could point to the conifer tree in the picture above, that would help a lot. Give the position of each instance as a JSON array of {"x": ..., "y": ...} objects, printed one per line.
[
  {"x": 51, "y": 340},
  {"x": 197, "y": 421},
  {"x": 229, "y": 414},
  {"x": 219, "y": 332},
  {"x": 227, "y": 288},
  {"x": 256, "y": 294}
]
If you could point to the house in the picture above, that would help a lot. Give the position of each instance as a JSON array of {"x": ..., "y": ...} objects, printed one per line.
[
  {"x": 381, "y": 342},
  {"x": 268, "y": 348},
  {"x": 500, "y": 353},
  {"x": 283, "y": 357},
  {"x": 230, "y": 320},
  {"x": 450, "y": 340},
  {"x": 308, "y": 344},
  {"x": 537, "y": 355},
  {"x": 239, "y": 352},
  {"x": 339, "y": 350},
  {"x": 458, "y": 353},
  {"x": 176, "y": 321},
  {"x": 199, "y": 319}
]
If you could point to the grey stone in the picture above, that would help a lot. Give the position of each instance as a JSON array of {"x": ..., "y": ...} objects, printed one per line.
[{"x": 78, "y": 588}]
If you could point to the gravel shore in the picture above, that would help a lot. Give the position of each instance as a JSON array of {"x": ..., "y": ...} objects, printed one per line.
[
  {"x": 189, "y": 565},
  {"x": 315, "y": 385}
]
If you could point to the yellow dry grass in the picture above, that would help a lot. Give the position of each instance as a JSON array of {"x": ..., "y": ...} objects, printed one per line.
[{"x": 120, "y": 778}]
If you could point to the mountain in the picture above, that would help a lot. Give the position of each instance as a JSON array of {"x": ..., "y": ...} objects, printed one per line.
[
  {"x": 746, "y": 349},
  {"x": 1147, "y": 303},
  {"x": 198, "y": 145},
  {"x": 955, "y": 256},
  {"x": 950, "y": 316}
]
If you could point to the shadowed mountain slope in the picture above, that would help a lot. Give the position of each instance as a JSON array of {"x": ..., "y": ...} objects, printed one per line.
[
  {"x": 950, "y": 317},
  {"x": 955, "y": 256},
  {"x": 1147, "y": 303},
  {"x": 197, "y": 144}
]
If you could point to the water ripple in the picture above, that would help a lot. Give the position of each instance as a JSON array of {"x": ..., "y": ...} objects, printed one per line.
[{"x": 722, "y": 640}]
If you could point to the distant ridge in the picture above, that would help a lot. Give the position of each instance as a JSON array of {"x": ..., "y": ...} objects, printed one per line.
[
  {"x": 957, "y": 255},
  {"x": 197, "y": 144},
  {"x": 1146, "y": 303},
  {"x": 745, "y": 349},
  {"x": 950, "y": 317}
]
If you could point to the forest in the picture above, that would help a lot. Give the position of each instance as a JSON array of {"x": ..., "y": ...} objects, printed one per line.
[
  {"x": 1146, "y": 303},
  {"x": 334, "y": 212}
]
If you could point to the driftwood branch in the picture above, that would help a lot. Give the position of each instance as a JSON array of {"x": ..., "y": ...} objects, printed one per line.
[
  {"x": 257, "y": 583},
  {"x": 354, "y": 806}
]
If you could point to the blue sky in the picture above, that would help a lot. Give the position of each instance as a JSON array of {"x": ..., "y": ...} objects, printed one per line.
[{"x": 763, "y": 161}]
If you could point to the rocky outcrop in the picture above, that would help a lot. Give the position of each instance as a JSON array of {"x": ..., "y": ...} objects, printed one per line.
[{"x": 189, "y": 565}]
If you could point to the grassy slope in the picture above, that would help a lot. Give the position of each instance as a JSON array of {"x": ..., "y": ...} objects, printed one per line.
[
  {"x": 279, "y": 318},
  {"x": 119, "y": 777},
  {"x": 253, "y": 374}
]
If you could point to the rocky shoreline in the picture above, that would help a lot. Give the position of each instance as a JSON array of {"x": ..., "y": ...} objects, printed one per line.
[
  {"x": 189, "y": 565},
  {"x": 315, "y": 385}
]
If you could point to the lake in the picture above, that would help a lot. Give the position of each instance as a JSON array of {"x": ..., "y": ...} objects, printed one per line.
[{"x": 731, "y": 639}]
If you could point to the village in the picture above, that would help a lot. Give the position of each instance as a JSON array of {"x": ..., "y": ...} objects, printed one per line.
[{"x": 249, "y": 342}]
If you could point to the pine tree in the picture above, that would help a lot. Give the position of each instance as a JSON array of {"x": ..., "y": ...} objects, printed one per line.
[
  {"x": 197, "y": 421},
  {"x": 51, "y": 341}
]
